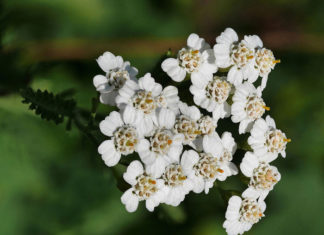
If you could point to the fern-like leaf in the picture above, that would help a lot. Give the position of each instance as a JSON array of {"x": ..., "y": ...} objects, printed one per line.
[{"x": 47, "y": 105}]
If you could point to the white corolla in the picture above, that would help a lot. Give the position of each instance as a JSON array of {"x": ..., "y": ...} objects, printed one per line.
[
  {"x": 266, "y": 140},
  {"x": 197, "y": 60},
  {"x": 124, "y": 137},
  {"x": 177, "y": 183},
  {"x": 235, "y": 55},
  {"x": 212, "y": 94},
  {"x": 143, "y": 99},
  {"x": 247, "y": 107},
  {"x": 263, "y": 176},
  {"x": 117, "y": 72},
  {"x": 241, "y": 214},
  {"x": 163, "y": 147},
  {"x": 144, "y": 187}
]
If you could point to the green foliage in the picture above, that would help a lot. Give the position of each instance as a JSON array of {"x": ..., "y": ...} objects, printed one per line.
[{"x": 49, "y": 106}]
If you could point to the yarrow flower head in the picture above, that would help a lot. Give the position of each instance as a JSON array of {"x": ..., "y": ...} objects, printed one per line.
[
  {"x": 177, "y": 143},
  {"x": 212, "y": 94},
  {"x": 197, "y": 59},
  {"x": 241, "y": 214},
  {"x": 117, "y": 71},
  {"x": 144, "y": 187},
  {"x": 262, "y": 176},
  {"x": 163, "y": 147},
  {"x": 186, "y": 123},
  {"x": 124, "y": 137},
  {"x": 202, "y": 169},
  {"x": 223, "y": 150},
  {"x": 247, "y": 107},
  {"x": 263, "y": 62},
  {"x": 239, "y": 55},
  {"x": 177, "y": 183},
  {"x": 142, "y": 100},
  {"x": 211, "y": 164},
  {"x": 266, "y": 140}
]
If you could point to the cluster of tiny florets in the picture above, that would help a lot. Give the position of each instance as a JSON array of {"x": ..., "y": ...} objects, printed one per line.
[{"x": 153, "y": 123}]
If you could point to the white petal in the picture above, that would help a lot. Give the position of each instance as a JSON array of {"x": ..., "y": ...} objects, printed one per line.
[
  {"x": 132, "y": 71},
  {"x": 198, "y": 92},
  {"x": 148, "y": 157},
  {"x": 245, "y": 126},
  {"x": 166, "y": 118},
  {"x": 249, "y": 163},
  {"x": 127, "y": 90},
  {"x": 283, "y": 154},
  {"x": 109, "y": 97},
  {"x": 264, "y": 82},
  {"x": 147, "y": 83},
  {"x": 143, "y": 147},
  {"x": 212, "y": 144},
  {"x": 252, "y": 41},
  {"x": 177, "y": 139},
  {"x": 130, "y": 200},
  {"x": 234, "y": 227},
  {"x": 270, "y": 121},
  {"x": 188, "y": 160},
  {"x": 194, "y": 113},
  {"x": 233, "y": 168},
  {"x": 251, "y": 74},
  {"x": 199, "y": 79},
  {"x": 233, "y": 208},
  {"x": 169, "y": 64},
  {"x": 251, "y": 193},
  {"x": 151, "y": 204},
  {"x": 263, "y": 195},
  {"x": 227, "y": 37},
  {"x": 229, "y": 142},
  {"x": 145, "y": 124},
  {"x": 111, "y": 123},
  {"x": 170, "y": 92},
  {"x": 99, "y": 80},
  {"x": 134, "y": 169},
  {"x": 106, "y": 146},
  {"x": 262, "y": 205},
  {"x": 174, "y": 153},
  {"x": 195, "y": 42},
  {"x": 198, "y": 184},
  {"x": 171, "y": 67},
  {"x": 175, "y": 196},
  {"x": 235, "y": 76},
  {"x": 111, "y": 158},
  {"x": 119, "y": 61},
  {"x": 222, "y": 55},
  {"x": 209, "y": 65},
  {"x": 156, "y": 169},
  {"x": 129, "y": 115},
  {"x": 260, "y": 127},
  {"x": 267, "y": 157},
  {"x": 177, "y": 74},
  {"x": 238, "y": 108},
  {"x": 107, "y": 61}
]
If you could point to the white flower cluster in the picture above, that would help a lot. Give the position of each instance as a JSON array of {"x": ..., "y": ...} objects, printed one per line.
[{"x": 154, "y": 123}]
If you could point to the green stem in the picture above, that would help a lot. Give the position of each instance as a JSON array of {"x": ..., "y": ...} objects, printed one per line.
[{"x": 83, "y": 128}]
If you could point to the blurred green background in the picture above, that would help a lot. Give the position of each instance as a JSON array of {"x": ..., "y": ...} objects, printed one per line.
[{"x": 54, "y": 182}]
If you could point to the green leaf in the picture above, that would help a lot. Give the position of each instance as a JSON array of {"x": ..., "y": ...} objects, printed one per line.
[{"x": 48, "y": 106}]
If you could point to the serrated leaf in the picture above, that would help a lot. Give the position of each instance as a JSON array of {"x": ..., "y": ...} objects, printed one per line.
[{"x": 47, "y": 105}]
